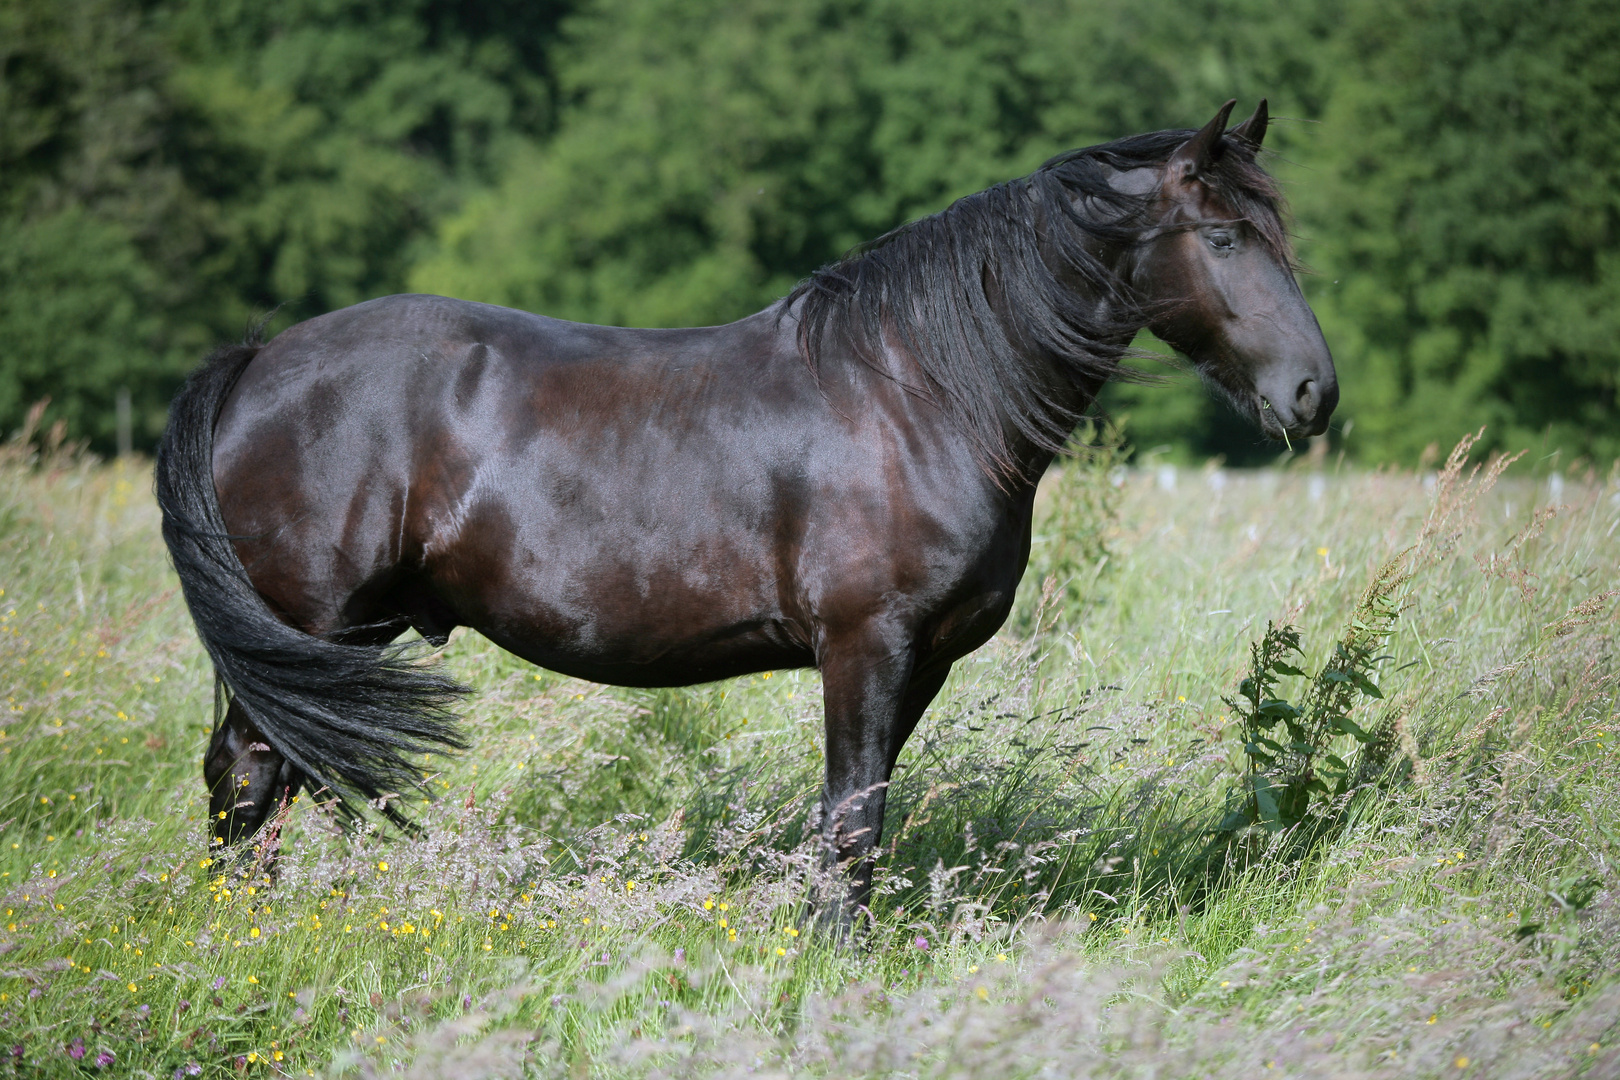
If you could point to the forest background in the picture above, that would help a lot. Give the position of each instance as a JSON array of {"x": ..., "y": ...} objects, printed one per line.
[{"x": 173, "y": 170}]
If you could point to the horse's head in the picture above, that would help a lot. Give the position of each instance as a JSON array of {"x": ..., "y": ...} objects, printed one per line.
[{"x": 1215, "y": 271}]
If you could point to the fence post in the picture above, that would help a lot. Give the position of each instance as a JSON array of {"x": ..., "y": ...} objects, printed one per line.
[{"x": 124, "y": 432}]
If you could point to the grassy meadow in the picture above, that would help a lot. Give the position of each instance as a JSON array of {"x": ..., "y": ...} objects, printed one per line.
[{"x": 1100, "y": 860}]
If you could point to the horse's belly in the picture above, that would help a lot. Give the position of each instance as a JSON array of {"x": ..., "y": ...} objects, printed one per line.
[
  {"x": 621, "y": 605},
  {"x": 613, "y": 631},
  {"x": 682, "y": 663}
]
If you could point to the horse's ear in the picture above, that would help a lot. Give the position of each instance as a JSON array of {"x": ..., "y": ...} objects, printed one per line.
[
  {"x": 1199, "y": 152},
  {"x": 1253, "y": 130}
]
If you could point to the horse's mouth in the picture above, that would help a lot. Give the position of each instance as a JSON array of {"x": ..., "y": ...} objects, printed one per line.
[
  {"x": 1272, "y": 426},
  {"x": 1268, "y": 421},
  {"x": 1251, "y": 404}
]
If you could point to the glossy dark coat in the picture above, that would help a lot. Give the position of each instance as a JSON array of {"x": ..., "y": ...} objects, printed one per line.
[{"x": 664, "y": 507}]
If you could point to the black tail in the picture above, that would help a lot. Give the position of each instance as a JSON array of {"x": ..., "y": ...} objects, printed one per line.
[{"x": 347, "y": 716}]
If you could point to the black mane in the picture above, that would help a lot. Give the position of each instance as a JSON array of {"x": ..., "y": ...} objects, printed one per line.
[{"x": 991, "y": 293}]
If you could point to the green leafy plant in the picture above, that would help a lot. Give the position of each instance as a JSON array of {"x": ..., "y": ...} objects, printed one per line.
[
  {"x": 1076, "y": 516},
  {"x": 1294, "y": 772}
]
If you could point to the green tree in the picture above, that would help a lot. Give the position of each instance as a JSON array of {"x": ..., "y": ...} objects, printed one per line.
[
  {"x": 72, "y": 319},
  {"x": 329, "y": 134},
  {"x": 170, "y": 171},
  {"x": 712, "y": 154},
  {"x": 95, "y": 237},
  {"x": 1465, "y": 221}
]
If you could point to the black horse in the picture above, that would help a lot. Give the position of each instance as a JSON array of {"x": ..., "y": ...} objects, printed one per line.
[{"x": 843, "y": 480}]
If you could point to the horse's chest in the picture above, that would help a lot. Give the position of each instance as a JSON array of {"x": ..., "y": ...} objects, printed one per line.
[
  {"x": 967, "y": 625},
  {"x": 982, "y": 596}
]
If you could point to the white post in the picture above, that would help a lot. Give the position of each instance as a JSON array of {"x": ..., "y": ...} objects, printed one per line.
[{"x": 124, "y": 428}]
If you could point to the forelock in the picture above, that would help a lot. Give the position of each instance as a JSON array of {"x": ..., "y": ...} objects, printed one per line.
[{"x": 1235, "y": 178}]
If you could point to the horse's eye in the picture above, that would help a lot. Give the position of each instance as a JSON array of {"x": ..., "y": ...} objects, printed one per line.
[{"x": 1221, "y": 242}]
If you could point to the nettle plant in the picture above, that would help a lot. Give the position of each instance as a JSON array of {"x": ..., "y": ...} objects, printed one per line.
[{"x": 1294, "y": 773}]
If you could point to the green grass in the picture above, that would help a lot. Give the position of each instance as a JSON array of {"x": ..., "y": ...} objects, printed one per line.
[{"x": 611, "y": 882}]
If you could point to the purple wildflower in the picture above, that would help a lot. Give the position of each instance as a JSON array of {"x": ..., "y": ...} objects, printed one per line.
[
  {"x": 104, "y": 1059},
  {"x": 75, "y": 1049},
  {"x": 680, "y": 955},
  {"x": 922, "y": 943},
  {"x": 219, "y": 983},
  {"x": 17, "y": 1051},
  {"x": 184, "y": 1004},
  {"x": 33, "y": 992}
]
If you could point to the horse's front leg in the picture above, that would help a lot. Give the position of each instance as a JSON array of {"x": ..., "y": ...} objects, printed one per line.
[{"x": 874, "y": 697}]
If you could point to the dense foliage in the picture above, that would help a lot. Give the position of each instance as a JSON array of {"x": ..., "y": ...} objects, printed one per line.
[
  {"x": 1468, "y": 221},
  {"x": 171, "y": 169}
]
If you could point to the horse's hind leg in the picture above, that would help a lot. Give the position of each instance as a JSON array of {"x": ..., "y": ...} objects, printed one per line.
[{"x": 248, "y": 780}]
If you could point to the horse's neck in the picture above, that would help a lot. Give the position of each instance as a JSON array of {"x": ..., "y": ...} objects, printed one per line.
[
  {"x": 1032, "y": 460},
  {"x": 1073, "y": 396}
]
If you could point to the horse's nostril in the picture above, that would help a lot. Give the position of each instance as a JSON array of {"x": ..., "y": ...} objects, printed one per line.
[{"x": 1307, "y": 398}]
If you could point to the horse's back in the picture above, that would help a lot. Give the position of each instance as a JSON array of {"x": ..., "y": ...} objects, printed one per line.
[
  {"x": 369, "y": 382},
  {"x": 409, "y": 327}
]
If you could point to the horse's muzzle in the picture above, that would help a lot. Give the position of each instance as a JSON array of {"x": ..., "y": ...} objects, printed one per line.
[{"x": 1300, "y": 410}]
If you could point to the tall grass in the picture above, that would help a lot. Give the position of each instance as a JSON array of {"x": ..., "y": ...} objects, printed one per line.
[{"x": 611, "y": 882}]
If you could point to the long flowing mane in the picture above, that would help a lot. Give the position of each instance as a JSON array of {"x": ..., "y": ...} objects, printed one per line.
[{"x": 994, "y": 294}]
